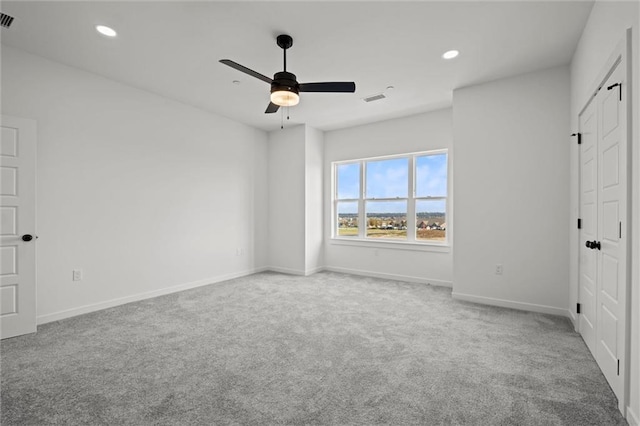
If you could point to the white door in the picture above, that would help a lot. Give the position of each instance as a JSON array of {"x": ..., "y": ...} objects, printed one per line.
[
  {"x": 603, "y": 239},
  {"x": 612, "y": 188},
  {"x": 17, "y": 223},
  {"x": 589, "y": 227}
]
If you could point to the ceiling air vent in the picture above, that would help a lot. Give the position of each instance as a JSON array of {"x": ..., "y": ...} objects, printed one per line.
[
  {"x": 5, "y": 20},
  {"x": 374, "y": 98}
]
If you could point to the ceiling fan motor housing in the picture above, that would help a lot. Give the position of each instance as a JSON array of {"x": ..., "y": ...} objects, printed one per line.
[{"x": 285, "y": 81}]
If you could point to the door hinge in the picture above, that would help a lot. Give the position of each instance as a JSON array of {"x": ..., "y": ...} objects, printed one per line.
[
  {"x": 618, "y": 367},
  {"x": 619, "y": 85},
  {"x": 579, "y": 135},
  {"x": 579, "y": 223},
  {"x": 578, "y": 308},
  {"x": 620, "y": 230}
]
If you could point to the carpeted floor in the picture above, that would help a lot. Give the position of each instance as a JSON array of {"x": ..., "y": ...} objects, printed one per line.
[{"x": 326, "y": 349}]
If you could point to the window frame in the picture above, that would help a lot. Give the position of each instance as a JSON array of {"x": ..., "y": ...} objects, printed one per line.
[{"x": 411, "y": 242}]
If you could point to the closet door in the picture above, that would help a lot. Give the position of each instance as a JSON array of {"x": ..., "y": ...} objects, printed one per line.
[
  {"x": 589, "y": 225},
  {"x": 603, "y": 233},
  {"x": 611, "y": 253}
]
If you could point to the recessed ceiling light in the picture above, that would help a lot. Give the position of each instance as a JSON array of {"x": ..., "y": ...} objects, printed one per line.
[
  {"x": 236, "y": 82},
  {"x": 109, "y": 32},
  {"x": 450, "y": 54}
]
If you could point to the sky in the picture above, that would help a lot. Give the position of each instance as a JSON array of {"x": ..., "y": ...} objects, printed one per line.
[{"x": 389, "y": 178}]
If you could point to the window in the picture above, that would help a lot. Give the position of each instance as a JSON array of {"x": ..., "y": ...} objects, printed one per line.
[{"x": 397, "y": 198}]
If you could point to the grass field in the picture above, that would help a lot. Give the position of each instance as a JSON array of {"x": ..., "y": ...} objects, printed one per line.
[
  {"x": 422, "y": 234},
  {"x": 387, "y": 233},
  {"x": 431, "y": 235},
  {"x": 348, "y": 232}
]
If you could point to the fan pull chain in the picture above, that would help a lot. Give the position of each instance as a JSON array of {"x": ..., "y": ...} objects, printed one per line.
[
  {"x": 282, "y": 118},
  {"x": 287, "y": 113}
]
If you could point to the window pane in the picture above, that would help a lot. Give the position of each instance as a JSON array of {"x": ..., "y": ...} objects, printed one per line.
[
  {"x": 348, "y": 181},
  {"x": 387, "y": 219},
  {"x": 431, "y": 176},
  {"x": 387, "y": 178},
  {"x": 431, "y": 220},
  {"x": 347, "y": 219}
]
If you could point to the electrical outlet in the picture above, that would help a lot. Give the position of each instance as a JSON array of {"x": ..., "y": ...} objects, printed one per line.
[
  {"x": 239, "y": 252},
  {"x": 77, "y": 274},
  {"x": 499, "y": 269}
]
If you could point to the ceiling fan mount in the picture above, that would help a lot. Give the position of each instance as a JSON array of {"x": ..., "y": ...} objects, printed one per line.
[
  {"x": 284, "y": 41},
  {"x": 285, "y": 88}
]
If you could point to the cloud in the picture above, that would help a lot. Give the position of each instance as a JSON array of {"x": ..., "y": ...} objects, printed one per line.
[
  {"x": 348, "y": 180},
  {"x": 431, "y": 176},
  {"x": 387, "y": 178}
]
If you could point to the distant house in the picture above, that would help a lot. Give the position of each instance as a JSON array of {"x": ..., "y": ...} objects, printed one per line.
[{"x": 423, "y": 225}]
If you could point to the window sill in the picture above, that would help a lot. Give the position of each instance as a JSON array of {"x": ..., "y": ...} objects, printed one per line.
[{"x": 393, "y": 245}]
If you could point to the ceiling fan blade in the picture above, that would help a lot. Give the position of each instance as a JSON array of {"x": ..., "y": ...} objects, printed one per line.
[
  {"x": 246, "y": 70},
  {"x": 272, "y": 108},
  {"x": 332, "y": 86}
]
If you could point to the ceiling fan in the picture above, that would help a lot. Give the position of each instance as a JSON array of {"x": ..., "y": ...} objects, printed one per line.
[{"x": 284, "y": 86}]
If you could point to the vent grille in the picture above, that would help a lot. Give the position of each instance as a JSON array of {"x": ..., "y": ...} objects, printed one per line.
[
  {"x": 5, "y": 20},
  {"x": 374, "y": 98}
]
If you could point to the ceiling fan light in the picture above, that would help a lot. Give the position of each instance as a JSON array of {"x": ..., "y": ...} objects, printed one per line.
[
  {"x": 106, "y": 31},
  {"x": 450, "y": 54},
  {"x": 285, "y": 98}
]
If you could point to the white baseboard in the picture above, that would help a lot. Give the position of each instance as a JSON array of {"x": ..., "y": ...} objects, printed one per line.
[
  {"x": 574, "y": 319},
  {"x": 286, "y": 270},
  {"x": 421, "y": 280},
  {"x": 522, "y": 306},
  {"x": 314, "y": 270},
  {"x": 56, "y": 316},
  {"x": 632, "y": 418}
]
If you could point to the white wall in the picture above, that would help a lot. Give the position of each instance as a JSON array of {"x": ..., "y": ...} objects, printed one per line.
[
  {"x": 605, "y": 28},
  {"x": 511, "y": 181},
  {"x": 415, "y": 133},
  {"x": 295, "y": 200},
  {"x": 287, "y": 200},
  {"x": 144, "y": 194},
  {"x": 314, "y": 147}
]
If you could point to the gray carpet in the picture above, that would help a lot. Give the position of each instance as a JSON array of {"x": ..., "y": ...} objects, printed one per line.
[{"x": 327, "y": 349}]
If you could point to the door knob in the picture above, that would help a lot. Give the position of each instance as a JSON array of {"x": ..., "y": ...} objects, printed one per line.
[
  {"x": 593, "y": 244},
  {"x": 27, "y": 237}
]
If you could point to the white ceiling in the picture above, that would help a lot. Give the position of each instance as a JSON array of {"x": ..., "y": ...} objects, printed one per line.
[{"x": 172, "y": 48}]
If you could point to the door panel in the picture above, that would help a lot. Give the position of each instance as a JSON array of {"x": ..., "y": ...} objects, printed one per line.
[
  {"x": 8, "y": 300},
  {"x": 17, "y": 217},
  {"x": 8, "y": 221},
  {"x": 610, "y": 172},
  {"x": 8, "y": 181},
  {"x": 611, "y": 222},
  {"x": 610, "y": 276},
  {"x": 609, "y": 324}
]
